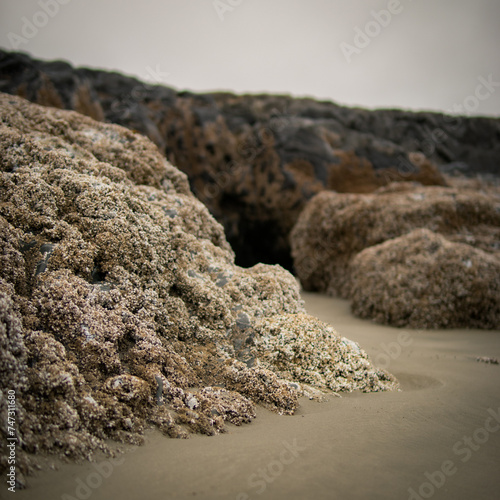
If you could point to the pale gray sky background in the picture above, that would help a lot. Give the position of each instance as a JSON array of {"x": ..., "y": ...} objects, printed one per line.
[{"x": 431, "y": 54}]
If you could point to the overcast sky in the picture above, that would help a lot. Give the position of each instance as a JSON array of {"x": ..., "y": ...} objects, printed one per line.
[{"x": 415, "y": 54}]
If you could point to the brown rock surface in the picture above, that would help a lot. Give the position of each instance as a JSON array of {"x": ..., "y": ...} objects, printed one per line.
[
  {"x": 334, "y": 228},
  {"x": 121, "y": 305}
]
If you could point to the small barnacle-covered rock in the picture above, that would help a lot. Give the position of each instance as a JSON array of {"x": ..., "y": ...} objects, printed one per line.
[{"x": 423, "y": 280}]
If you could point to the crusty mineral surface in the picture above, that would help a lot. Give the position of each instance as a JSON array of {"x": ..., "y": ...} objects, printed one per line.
[
  {"x": 120, "y": 303},
  {"x": 366, "y": 247}
]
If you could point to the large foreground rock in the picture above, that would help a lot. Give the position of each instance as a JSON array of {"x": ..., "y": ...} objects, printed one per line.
[
  {"x": 338, "y": 247},
  {"x": 255, "y": 161},
  {"x": 120, "y": 303}
]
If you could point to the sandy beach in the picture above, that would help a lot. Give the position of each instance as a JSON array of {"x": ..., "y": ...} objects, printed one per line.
[{"x": 439, "y": 437}]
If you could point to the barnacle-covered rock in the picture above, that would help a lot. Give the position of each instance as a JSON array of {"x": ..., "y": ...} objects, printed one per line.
[
  {"x": 423, "y": 280},
  {"x": 121, "y": 303},
  {"x": 338, "y": 247}
]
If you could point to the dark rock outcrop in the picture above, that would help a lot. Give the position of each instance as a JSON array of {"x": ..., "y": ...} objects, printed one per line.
[
  {"x": 365, "y": 247},
  {"x": 255, "y": 161},
  {"x": 120, "y": 303}
]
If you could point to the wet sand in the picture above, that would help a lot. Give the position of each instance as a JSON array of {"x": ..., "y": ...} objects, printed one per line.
[{"x": 438, "y": 437}]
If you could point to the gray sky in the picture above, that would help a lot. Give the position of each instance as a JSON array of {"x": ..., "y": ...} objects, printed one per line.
[{"x": 415, "y": 54}]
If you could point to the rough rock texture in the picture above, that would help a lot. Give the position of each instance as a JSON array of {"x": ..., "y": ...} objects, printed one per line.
[
  {"x": 120, "y": 303},
  {"x": 422, "y": 280},
  {"x": 364, "y": 247},
  {"x": 298, "y": 347},
  {"x": 255, "y": 161}
]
